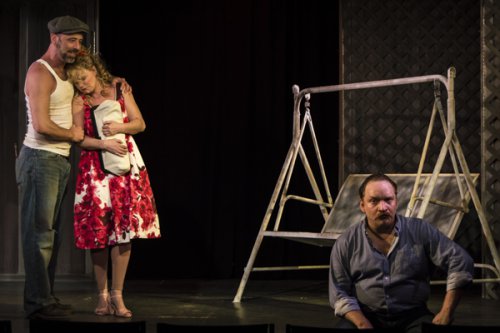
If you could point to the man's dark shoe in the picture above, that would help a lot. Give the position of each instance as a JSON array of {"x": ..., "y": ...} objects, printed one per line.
[
  {"x": 51, "y": 311},
  {"x": 63, "y": 306}
]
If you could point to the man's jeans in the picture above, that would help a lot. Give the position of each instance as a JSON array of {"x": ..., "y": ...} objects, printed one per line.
[
  {"x": 42, "y": 177},
  {"x": 408, "y": 321}
]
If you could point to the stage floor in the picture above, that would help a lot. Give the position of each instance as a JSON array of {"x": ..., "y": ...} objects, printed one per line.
[{"x": 209, "y": 302}]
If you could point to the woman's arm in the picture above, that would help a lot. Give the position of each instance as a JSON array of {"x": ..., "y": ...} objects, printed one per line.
[
  {"x": 136, "y": 123},
  {"x": 114, "y": 146}
]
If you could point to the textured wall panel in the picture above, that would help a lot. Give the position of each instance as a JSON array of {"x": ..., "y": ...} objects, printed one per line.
[
  {"x": 491, "y": 123},
  {"x": 384, "y": 129}
]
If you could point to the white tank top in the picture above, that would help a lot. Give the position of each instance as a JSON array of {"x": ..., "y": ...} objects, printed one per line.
[{"x": 59, "y": 112}]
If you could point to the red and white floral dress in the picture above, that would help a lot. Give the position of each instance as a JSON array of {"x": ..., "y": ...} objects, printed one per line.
[{"x": 111, "y": 209}]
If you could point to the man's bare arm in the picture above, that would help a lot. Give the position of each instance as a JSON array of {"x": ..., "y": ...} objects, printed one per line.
[
  {"x": 358, "y": 318},
  {"x": 451, "y": 300}
]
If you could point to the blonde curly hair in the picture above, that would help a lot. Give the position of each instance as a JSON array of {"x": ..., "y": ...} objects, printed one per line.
[{"x": 89, "y": 61}]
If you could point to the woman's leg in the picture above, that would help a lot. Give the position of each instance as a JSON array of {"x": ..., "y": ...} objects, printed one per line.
[
  {"x": 120, "y": 256},
  {"x": 100, "y": 262}
]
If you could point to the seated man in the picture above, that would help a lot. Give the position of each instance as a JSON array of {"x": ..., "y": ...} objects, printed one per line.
[{"x": 380, "y": 268}]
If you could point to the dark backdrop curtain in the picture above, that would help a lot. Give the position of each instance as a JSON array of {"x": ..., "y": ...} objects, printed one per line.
[
  {"x": 213, "y": 80},
  {"x": 9, "y": 32}
]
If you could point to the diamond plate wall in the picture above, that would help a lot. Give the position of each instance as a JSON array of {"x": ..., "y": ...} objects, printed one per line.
[
  {"x": 384, "y": 129},
  {"x": 490, "y": 55}
]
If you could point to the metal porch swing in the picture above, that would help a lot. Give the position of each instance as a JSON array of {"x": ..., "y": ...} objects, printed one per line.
[{"x": 444, "y": 196}]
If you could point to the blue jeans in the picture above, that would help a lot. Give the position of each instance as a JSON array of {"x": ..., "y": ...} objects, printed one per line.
[{"x": 42, "y": 177}]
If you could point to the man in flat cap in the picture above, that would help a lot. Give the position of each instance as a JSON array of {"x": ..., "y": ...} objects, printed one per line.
[{"x": 42, "y": 167}]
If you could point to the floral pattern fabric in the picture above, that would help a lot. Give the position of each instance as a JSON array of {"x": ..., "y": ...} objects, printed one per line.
[{"x": 111, "y": 209}]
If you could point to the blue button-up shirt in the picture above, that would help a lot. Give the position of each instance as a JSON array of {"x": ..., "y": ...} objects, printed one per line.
[{"x": 362, "y": 278}]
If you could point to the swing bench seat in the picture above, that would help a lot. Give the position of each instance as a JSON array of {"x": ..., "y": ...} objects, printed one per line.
[{"x": 447, "y": 206}]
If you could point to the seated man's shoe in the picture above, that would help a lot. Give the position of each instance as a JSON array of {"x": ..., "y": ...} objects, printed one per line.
[{"x": 51, "y": 311}]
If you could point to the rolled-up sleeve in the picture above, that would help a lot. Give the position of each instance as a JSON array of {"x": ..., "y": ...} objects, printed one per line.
[
  {"x": 340, "y": 284},
  {"x": 458, "y": 280},
  {"x": 452, "y": 258}
]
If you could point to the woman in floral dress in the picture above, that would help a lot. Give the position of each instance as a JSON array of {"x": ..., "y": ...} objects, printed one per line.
[{"x": 109, "y": 209}]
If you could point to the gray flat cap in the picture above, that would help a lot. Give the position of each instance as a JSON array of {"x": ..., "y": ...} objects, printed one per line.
[{"x": 67, "y": 25}]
